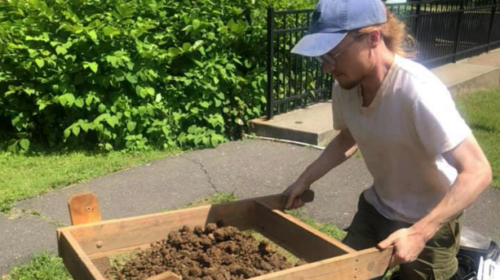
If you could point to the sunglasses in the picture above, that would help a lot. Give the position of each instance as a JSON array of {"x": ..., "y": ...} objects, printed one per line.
[{"x": 333, "y": 58}]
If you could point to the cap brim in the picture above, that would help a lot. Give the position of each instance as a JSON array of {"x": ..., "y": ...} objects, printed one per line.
[{"x": 318, "y": 44}]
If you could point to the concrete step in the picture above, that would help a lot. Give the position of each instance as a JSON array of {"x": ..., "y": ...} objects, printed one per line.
[
  {"x": 314, "y": 124},
  {"x": 464, "y": 78}
]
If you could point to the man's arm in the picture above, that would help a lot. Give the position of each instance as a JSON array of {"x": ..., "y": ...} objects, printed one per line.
[
  {"x": 342, "y": 147},
  {"x": 474, "y": 176}
]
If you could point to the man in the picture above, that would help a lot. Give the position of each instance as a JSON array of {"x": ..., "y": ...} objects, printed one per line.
[{"x": 426, "y": 164}]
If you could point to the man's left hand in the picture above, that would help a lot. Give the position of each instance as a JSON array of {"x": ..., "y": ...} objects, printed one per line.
[{"x": 407, "y": 242}]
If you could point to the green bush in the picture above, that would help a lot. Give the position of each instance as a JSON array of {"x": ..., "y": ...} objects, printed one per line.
[{"x": 131, "y": 74}]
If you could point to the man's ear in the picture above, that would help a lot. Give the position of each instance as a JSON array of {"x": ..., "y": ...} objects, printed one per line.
[{"x": 375, "y": 38}]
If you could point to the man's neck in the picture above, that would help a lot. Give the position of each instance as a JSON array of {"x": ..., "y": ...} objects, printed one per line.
[{"x": 371, "y": 84}]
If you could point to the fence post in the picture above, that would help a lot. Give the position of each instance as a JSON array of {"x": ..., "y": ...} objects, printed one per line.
[
  {"x": 270, "y": 55},
  {"x": 492, "y": 22},
  {"x": 457, "y": 34},
  {"x": 416, "y": 27}
]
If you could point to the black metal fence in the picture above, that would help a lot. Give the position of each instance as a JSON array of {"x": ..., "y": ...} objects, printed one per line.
[{"x": 445, "y": 31}]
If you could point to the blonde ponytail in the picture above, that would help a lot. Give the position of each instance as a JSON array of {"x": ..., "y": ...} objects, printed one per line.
[{"x": 395, "y": 36}]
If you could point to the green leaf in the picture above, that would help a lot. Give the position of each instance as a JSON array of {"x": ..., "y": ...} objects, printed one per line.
[
  {"x": 61, "y": 50},
  {"x": 158, "y": 97},
  {"x": 111, "y": 31},
  {"x": 67, "y": 133},
  {"x": 150, "y": 91},
  {"x": 130, "y": 65},
  {"x": 223, "y": 73},
  {"x": 99, "y": 119},
  {"x": 202, "y": 51},
  {"x": 216, "y": 139},
  {"x": 41, "y": 106},
  {"x": 40, "y": 62},
  {"x": 92, "y": 35},
  {"x": 112, "y": 121},
  {"x": 113, "y": 60},
  {"x": 197, "y": 44},
  {"x": 204, "y": 104},
  {"x": 211, "y": 35},
  {"x": 236, "y": 27},
  {"x": 194, "y": 110},
  {"x": 131, "y": 78},
  {"x": 198, "y": 63},
  {"x": 196, "y": 24},
  {"x": 186, "y": 47},
  {"x": 25, "y": 144},
  {"x": 92, "y": 65},
  {"x": 142, "y": 110},
  {"x": 141, "y": 92},
  {"x": 131, "y": 126},
  {"x": 79, "y": 102},
  {"x": 67, "y": 99},
  {"x": 85, "y": 126},
  {"x": 101, "y": 108},
  {"x": 173, "y": 52},
  {"x": 13, "y": 146},
  {"x": 29, "y": 91},
  {"x": 192, "y": 129},
  {"x": 76, "y": 130}
]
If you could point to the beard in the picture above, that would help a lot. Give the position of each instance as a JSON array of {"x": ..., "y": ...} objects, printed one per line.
[{"x": 348, "y": 84}]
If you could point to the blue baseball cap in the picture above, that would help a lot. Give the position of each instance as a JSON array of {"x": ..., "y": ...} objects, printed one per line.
[{"x": 333, "y": 19}]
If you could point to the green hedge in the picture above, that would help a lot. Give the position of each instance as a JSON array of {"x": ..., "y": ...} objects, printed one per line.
[{"x": 131, "y": 74}]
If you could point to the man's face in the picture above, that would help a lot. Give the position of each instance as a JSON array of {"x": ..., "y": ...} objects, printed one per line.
[{"x": 348, "y": 62}]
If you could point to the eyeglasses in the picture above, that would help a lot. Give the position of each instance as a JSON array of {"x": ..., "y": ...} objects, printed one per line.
[{"x": 332, "y": 59}]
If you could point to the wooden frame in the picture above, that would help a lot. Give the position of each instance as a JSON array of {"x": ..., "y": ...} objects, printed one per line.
[{"x": 85, "y": 247}]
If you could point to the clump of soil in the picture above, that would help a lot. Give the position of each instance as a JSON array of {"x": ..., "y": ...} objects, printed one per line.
[{"x": 215, "y": 252}]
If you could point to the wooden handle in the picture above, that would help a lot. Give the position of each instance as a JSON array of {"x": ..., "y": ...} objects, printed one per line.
[{"x": 307, "y": 196}]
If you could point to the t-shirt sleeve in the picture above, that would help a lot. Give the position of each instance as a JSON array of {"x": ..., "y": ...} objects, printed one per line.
[
  {"x": 338, "y": 116},
  {"x": 438, "y": 123}
]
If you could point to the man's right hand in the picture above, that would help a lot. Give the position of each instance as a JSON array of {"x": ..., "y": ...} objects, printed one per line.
[
  {"x": 341, "y": 148},
  {"x": 294, "y": 191}
]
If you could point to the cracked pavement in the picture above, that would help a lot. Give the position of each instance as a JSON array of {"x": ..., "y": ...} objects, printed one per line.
[
  {"x": 205, "y": 171},
  {"x": 248, "y": 168}
]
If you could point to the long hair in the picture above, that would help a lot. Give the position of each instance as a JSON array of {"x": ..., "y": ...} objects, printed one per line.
[{"x": 394, "y": 35}]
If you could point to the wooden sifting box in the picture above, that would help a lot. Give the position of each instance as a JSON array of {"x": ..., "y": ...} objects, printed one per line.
[{"x": 87, "y": 245}]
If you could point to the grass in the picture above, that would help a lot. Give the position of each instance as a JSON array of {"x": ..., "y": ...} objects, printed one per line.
[
  {"x": 25, "y": 176},
  {"x": 44, "y": 266},
  {"x": 328, "y": 229},
  {"x": 214, "y": 199},
  {"x": 481, "y": 112}
]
